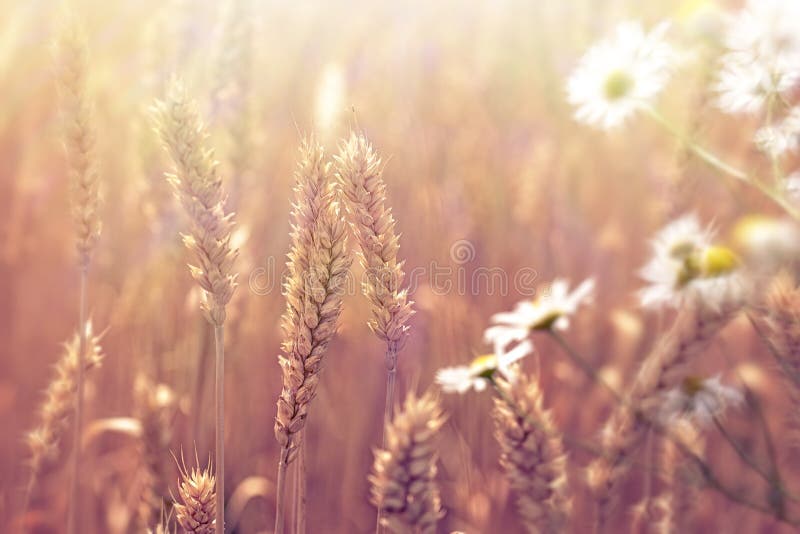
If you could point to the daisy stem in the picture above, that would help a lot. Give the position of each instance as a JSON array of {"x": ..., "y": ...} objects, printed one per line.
[
  {"x": 715, "y": 162},
  {"x": 587, "y": 368},
  {"x": 773, "y": 158},
  {"x": 740, "y": 450}
]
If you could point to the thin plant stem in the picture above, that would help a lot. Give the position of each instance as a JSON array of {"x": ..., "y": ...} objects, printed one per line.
[
  {"x": 712, "y": 160},
  {"x": 280, "y": 489},
  {"x": 705, "y": 469},
  {"x": 585, "y": 366},
  {"x": 74, "y": 492},
  {"x": 740, "y": 450},
  {"x": 219, "y": 337},
  {"x": 203, "y": 361},
  {"x": 391, "y": 372},
  {"x": 299, "y": 504}
]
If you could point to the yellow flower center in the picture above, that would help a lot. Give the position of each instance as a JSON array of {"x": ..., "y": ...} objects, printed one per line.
[
  {"x": 546, "y": 322},
  {"x": 718, "y": 261},
  {"x": 618, "y": 85},
  {"x": 692, "y": 385},
  {"x": 484, "y": 365}
]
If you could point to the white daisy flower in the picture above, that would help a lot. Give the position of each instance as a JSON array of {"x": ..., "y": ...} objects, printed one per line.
[
  {"x": 777, "y": 140},
  {"x": 620, "y": 75},
  {"x": 686, "y": 265},
  {"x": 478, "y": 373},
  {"x": 763, "y": 58},
  {"x": 552, "y": 309},
  {"x": 699, "y": 401}
]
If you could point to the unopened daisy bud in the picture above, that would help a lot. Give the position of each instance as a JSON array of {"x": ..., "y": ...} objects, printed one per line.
[{"x": 718, "y": 261}]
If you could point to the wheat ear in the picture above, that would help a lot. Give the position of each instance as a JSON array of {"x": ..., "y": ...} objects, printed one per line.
[
  {"x": 782, "y": 317},
  {"x": 199, "y": 188},
  {"x": 403, "y": 480},
  {"x": 532, "y": 455},
  {"x": 318, "y": 265},
  {"x": 359, "y": 173},
  {"x": 79, "y": 139},
  {"x": 196, "y": 511},
  {"x": 664, "y": 368},
  {"x": 44, "y": 441}
]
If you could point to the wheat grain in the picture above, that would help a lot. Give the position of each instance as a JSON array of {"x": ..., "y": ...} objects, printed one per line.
[
  {"x": 360, "y": 175},
  {"x": 317, "y": 269},
  {"x": 199, "y": 188},
  {"x": 44, "y": 441},
  {"x": 197, "y": 508},
  {"x": 532, "y": 455},
  {"x": 79, "y": 138},
  {"x": 403, "y": 480}
]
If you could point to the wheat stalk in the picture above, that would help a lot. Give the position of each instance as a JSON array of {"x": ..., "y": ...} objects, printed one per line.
[
  {"x": 403, "y": 479},
  {"x": 664, "y": 368},
  {"x": 196, "y": 513},
  {"x": 155, "y": 409},
  {"x": 199, "y": 188},
  {"x": 79, "y": 139},
  {"x": 359, "y": 172},
  {"x": 532, "y": 455},
  {"x": 44, "y": 441},
  {"x": 318, "y": 265}
]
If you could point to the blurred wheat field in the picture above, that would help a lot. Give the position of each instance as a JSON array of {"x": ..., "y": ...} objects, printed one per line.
[{"x": 496, "y": 190}]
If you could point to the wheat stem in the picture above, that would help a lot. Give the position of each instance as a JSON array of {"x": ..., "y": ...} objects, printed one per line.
[
  {"x": 280, "y": 490},
  {"x": 219, "y": 337},
  {"x": 299, "y": 495},
  {"x": 74, "y": 490}
]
